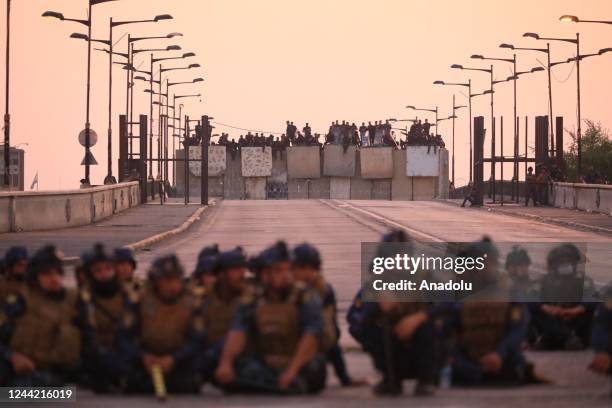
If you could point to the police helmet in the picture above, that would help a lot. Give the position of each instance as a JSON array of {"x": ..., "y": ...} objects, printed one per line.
[
  {"x": 125, "y": 255},
  {"x": 15, "y": 254},
  {"x": 166, "y": 267},
  {"x": 230, "y": 259},
  {"x": 96, "y": 255},
  {"x": 481, "y": 249},
  {"x": 306, "y": 255},
  {"x": 45, "y": 259},
  {"x": 277, "y": 253},
  {"x": 567, "y": 251},
  {"x": 518, "y": 256},
  {"x": 209, "y": 251}
]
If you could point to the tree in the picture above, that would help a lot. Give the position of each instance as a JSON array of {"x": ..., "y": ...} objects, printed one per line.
[{"x": 596, "y": 152}]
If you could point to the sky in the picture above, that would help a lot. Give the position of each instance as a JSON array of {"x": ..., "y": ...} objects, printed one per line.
[{"x": 269, "y": 61}]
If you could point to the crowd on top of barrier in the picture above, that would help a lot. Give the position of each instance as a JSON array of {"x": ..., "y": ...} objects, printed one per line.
[
  {"x": 342, "y": 133},
  {"x": 268, "y": 323}
]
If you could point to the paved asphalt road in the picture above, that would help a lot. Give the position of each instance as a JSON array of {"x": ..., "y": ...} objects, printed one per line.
[{"x": 338, "y": 228}]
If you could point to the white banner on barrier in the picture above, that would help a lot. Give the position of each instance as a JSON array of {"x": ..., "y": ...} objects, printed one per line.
[
  {"x": 422, "y": 161},
  {"x": 217, "y": 161},
  {"x": 256, "y": 161}
]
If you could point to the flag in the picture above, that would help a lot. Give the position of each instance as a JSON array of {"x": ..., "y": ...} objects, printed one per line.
[{"x": 34, "y": 182}]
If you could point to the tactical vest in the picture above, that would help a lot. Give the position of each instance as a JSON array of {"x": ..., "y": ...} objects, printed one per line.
[
  {"x": 483, "y": 326},
  {"x": 103, "y": 315},
  {"x": 10, "y": 287},
  {"x": 46, "y": 332},
  {"x": 218, "y": 316},
  {"x": 278, "y": 328},
  {"x": 164, "y": 326}
]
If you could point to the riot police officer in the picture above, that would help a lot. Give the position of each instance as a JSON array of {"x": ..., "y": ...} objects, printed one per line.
[
  {"x": 401, "y": 341},
  {"x": 306, "y": 266},
  {"x": 125, "y": 267},
  {"x": 490, "y": 328},
  {"x": 568, "y": 297},
  {"x": 517, "y": 266},
  {"x": 601, "y": 337},
  {"x": 105, "y": 301},
  {"x": 284, "y": 324},
  {"x": 42, "y": 328},
  {"x": 203, "y": 277},
  {"x": 15, "y": 264},
  {"x": 221, "y": 303},
  {"x": 163, "y": 331}
]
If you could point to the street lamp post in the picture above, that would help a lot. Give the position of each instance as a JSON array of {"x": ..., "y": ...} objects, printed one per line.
[
  {"x": 575, "y": 41},
  {"x": 7, "y": 115},
  {"x": 88, "y": 24},
  {"x": 468, "y": 85}
]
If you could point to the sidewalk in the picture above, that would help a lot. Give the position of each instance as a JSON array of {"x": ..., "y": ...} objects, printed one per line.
[
  {"x": 576, "y": 219},
  {"x": 123, "y": 229}
]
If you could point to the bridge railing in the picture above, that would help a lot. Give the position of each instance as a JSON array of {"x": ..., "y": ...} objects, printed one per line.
[
  {"x": 45, "y": 210},
  {"x": 586, "y": 197}
]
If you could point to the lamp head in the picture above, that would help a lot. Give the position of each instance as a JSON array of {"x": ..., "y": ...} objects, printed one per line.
[
  {"x": 487, "y": 92},
  {"x": 457, "y": 66},
  {"x": 162, "y": 17},
  {"x": 79, "y": 36},
  {"x": 567, "y": 18},
  {"x": 198, "y": 80},
  {"x": 508, "y": 46},
  {"x": 477, "y": 56},
  {"x": 53, "y": 14},
  {"x": 173, "y": 48},
  {"x": 140, "y": 78},
  {"x": 194, "y": 66},
  {"x": 172, "y": 35},
  {"x": 604, "y": 50},
  {"x": 188, "y": 55},
  {"x": 438, "y": 82},
  {"x": 537, "y": 69},
  {"x": 410, "y": 107},
  {"x": 532, "y": 35}
]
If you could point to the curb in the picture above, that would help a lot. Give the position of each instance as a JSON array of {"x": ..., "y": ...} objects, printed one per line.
[
  {"x": 539, "y": 218},
  {"x": 137, "y": 246}
]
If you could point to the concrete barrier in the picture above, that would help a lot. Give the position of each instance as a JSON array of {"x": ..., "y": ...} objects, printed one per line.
[
  {"x": 442, "y": 179},
  {"x": 256, "y": 161},
  {"x": 319, "y": 188},
  {"x": 297, "y": 189},
  {"x": 217, "y": 160},
  {"x": 381, "y": 189},
  {"x": 255, "y": 188},
  {"x": 233, "y": 182},
  {"x": 304, "y": 162},
  {"x": 38, "y": 211},
  {"x": 376, "y": 162},
  {"x": 276, "y": 187},
  {"x": 361, "y": 189},
  {"x": 586, "y": 197},
  {"x": 337, "y": 162},
  {"x": 401, "y": 185},
  {"x": 340, "y": 188}
]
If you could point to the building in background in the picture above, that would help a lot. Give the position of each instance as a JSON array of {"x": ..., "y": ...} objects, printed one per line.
[{"x": 16, "y": 169}]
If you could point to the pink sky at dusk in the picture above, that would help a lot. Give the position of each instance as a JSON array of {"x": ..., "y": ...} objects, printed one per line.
[{"x": 268, "y": 61}]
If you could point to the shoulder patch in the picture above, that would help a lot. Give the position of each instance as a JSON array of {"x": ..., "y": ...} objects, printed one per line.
[
  {"x": 516, "y": 314},
  {"x": 85, "y": 296}
]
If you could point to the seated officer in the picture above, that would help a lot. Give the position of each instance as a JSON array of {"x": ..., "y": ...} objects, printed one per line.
[
  {"x": 284, "y": 325},
  {"x": 221, "y": 303},
  {"x": 125, "y": 267},
  {"x": 12, "y": 281},
  {"x": 306, "y": 265},
  {"x": 40, "y": 328},
  {"x": 203, "y": 277},
  {"x": 105, "y": 301},
  {"x": 163, "y": 330},
  {"x": 601, "y": 337},
  {"x": 517, "y": 266},
  {"x": 490, "y": 329},
  {"x": 399, "y": 354},
  {"x": 563, "y": 319}
]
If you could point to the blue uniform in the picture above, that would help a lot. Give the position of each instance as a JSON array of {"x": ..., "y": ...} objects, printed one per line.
[{"x": 275, "y": 327}]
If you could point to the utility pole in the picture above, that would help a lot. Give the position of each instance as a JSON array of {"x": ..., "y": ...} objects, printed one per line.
[
  {"x": 206, "y": 132},
  {"x": 7, "y": 116}
]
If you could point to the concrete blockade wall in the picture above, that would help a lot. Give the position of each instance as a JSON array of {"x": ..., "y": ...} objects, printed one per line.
[
  {"x": 376, "y": 162},
  {"x": 401, "y": 185},
  {"x": 340, "y": 188},
  {"x": 255, "y": 188},
  {"x": 586, "y": 197},
  {"x": 337, "y": 162},
  {"x": 37, "y": 211},
  {"x": 304, "y": 162},
  {"x": 361, "y": 189}
]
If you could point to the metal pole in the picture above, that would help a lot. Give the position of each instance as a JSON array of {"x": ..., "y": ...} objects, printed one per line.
[
  {"x": 186, "y": 160},
  {"x": 492, "y": 183},
  {"x": 173, "y": 140},
  {"x": 109, "y": 171},
  {"x": 7, "y": 116},
  {"x": 159, "y": 126},
  {"x": 515, "y": 139},
  {"x": 127, "y": 97},
  {"x": 579, "y": 106},
  {"x": 151, "y": 121},
  {"x": 471, "y": 135},
  {"x": 87, "y": 124},
  {"x": 131, "y": 90},
  {"x": 205, "y": 129},
  {"x": 501, "y": 147},
  {"x": 453, "y": 153},
  {"x": 550, "y": 101}
]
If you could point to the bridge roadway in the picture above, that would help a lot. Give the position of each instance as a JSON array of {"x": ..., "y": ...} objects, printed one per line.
[{"x": 337, "y": 228}]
